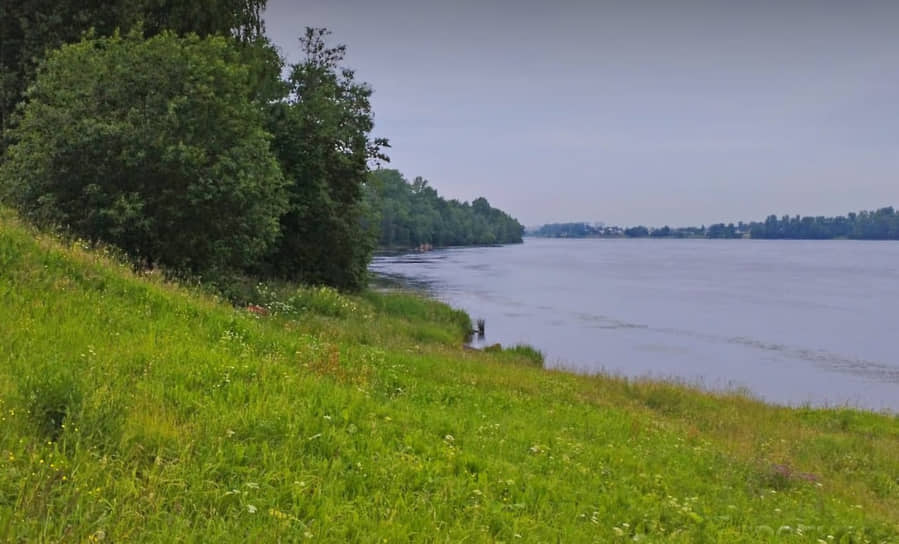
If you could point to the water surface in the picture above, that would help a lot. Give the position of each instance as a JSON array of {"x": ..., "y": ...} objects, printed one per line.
[{"x": 794, "y": 322}]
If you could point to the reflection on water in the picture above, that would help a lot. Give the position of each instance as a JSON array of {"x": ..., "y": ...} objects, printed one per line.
[{"x": 793, "y": 322}]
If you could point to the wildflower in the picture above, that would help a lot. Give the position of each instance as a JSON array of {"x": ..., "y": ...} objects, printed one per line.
[{"x": 251, "y": 509}]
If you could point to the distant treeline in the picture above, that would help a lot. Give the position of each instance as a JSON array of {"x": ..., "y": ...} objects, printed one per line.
[
  {"x": 413, "y": 214},
  {"x": 587, "y": 230},
  {"x": 882, "y": 224}
]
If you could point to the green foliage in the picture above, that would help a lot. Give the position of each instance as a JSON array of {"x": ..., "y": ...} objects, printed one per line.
[
  {"x": 567, "y": 230},
  {"x": 882, "y": 224},
  {"x": 221, "y": 425},
  {"x": 321, "y": 300},
  {"x": 31, "y": 28},
  {"x": 239, "y": 18},
  {"x": 412, "y": 214},
  {"x": 585, "y": 230},
  {"x": 526, "y": 352},
  {"x": 322, "y": 139},
  {"x": 636, "y": 232},
  {"x": 415, "y": 308},
  {"x": 154, "y": 146},
  {"x": 517, "y": 353},
  {"x": 720, "y": 230}
]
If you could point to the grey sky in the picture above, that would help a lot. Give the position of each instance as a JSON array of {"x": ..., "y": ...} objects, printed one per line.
[{"x": 666, "y": 112}]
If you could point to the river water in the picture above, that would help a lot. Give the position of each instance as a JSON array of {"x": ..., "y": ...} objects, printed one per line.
[{"x": 792, "y": 322}]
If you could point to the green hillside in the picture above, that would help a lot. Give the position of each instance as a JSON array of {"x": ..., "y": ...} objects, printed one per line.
[{"x": 136, "y": 410}]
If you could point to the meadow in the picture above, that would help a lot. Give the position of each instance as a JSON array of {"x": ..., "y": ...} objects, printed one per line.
[{"x": 136, "y": 409}]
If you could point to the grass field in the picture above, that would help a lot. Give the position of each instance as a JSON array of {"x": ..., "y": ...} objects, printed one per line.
[{"x": 137, "y": 410}]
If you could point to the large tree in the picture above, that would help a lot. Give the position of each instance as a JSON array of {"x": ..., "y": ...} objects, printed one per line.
[
  {"x": 324, "y": 143},
  {"x": 157, "y": 146},
  {"x": 31, "y": 28}
]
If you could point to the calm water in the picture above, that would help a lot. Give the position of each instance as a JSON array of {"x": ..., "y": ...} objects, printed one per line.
[{"x": 793, "y": 322}]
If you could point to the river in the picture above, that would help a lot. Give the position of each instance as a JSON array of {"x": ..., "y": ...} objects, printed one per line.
[{"x": 791, "y": 322}]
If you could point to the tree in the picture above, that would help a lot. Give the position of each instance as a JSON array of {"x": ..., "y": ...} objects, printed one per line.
[
  {"x": 663, "y": 232},
  {"x": 720, "y": 230},
  {"x": 155, "y": 146},
  {"x": 31, "y": 28},
  {"x": 636, "y": 232},
  {"x": 324, "y": 144},
  {"x": 414, "y": 213}
]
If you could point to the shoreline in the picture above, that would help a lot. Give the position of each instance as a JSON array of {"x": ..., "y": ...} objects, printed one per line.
[{"x": 125, "y": 398}]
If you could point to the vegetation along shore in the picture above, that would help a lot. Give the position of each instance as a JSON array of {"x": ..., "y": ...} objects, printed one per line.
[
  {"x": 137, "y": 409},
  {"x": 881, "y": 224}
]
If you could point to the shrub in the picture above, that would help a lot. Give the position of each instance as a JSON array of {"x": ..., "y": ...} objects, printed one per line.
[{"x": 154, "y": 146}]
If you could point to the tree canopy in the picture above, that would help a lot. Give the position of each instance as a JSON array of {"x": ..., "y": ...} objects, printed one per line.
[
  {"x": 882, "y": 224},
  {"x": 155, "y": 146},
  {"x": 412, "y": 214},
  {"x": 31, "y": 28},
  {"x": 324, "y": 144}
]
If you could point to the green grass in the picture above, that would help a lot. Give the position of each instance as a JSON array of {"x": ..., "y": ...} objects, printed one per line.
[{"x": 136, "y": 410}]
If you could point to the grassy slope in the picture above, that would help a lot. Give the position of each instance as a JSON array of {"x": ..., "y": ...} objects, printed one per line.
[{"x": 136, "y": 410}]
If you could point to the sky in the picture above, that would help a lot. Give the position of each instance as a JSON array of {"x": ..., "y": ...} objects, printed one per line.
[{"x": 629, "y": 112}]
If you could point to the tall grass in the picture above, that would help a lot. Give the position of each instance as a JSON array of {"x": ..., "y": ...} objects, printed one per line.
[{"x": 132, "y": 409}]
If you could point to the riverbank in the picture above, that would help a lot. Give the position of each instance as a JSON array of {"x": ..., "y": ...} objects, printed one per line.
[
  {"x": 134, "y": 409},
  {"x": 795, "y": 323}
]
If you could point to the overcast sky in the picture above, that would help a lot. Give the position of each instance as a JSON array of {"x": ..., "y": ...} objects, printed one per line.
[{"x": 663, "y": 112}]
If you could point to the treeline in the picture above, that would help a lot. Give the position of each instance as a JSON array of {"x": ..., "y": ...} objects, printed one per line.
[
  {"x": 414, "y": 214},
  {"x": 882, "y": 224},
  {"x": 587, "y": 230},
  {"x": 168, "y": 130},
  {"x": 568, "y": 230}
]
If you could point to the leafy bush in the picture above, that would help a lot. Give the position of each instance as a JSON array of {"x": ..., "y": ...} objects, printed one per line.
[{"x": 152, "y": 145}]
